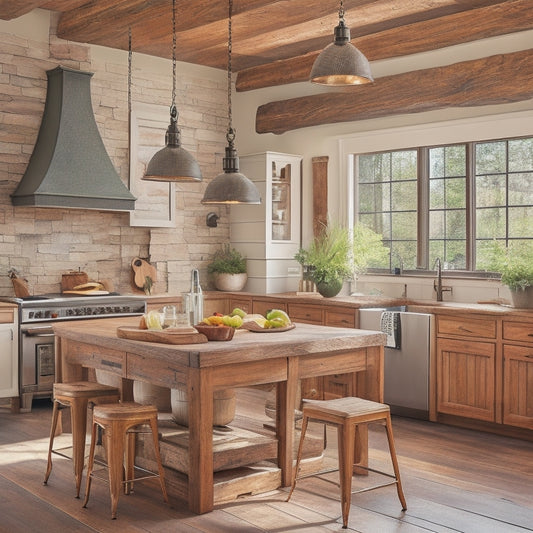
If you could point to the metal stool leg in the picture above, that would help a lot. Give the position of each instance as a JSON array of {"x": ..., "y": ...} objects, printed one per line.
[
  {"x": 55, "y": 418},
  {"x": 90, "y": 465},
  {"x": 155, "y": 436},
  {"x": 395, "y": 466},
  {"x": 346, "y": 446}
]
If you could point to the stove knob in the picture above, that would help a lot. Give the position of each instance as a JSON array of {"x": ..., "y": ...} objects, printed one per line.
[
  {"x": 38, "y": 314},
  {"x": 54, "y": 315},
  {"x": 47, "y": 314}
]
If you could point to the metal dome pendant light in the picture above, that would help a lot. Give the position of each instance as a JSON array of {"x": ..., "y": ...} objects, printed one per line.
[
  {"x": 341, "y": 63},
  {"x": 231, "y": 187},
  {"x": 173, "y": 163}
]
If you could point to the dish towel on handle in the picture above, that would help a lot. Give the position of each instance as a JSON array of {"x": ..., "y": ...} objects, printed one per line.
[{"x": 391, "y": 326}]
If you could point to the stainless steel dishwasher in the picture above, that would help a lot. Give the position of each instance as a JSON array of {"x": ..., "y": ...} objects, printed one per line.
[{"x": 406, "y": 367}]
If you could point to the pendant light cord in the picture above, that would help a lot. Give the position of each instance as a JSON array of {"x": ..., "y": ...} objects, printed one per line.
[
  {"x": 341, "y": 11},
  {"x": 231, "y": 132},
  {"x": 129, "y": 70},
  {"x": 129, "y": 104},
  {"x": 173, "y": 109}
]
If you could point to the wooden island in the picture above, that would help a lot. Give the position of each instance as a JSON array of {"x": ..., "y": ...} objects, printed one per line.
[{"x": 307, "y": 351}]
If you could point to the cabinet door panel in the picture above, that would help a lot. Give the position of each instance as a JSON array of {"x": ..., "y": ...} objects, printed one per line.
[
  {"x": 8, "y": 361},
  {"x": 518, "y": 386},
  {"x": 466, "y": 373}
]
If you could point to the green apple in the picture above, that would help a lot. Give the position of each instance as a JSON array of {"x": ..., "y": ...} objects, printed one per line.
[
  {"x": 276, "y": 322},
  {"x": 235, "y": 321},
  {"x": 278, "y": 313},
  {"x": 238, "y": 312}
]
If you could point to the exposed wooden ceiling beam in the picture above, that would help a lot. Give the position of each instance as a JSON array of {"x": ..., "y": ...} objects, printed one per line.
[
  {"x": 11, "y": 10},
  {"x": 498, "y": 79},
  {"x": 494, "y": 20}
]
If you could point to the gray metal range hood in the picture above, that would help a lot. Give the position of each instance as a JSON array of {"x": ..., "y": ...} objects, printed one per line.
[{"x": 69, "y": 166}]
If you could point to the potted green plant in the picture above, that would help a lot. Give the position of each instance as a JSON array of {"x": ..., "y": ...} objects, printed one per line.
[
  {"x": 336, "y": 255},
  {"x": 515, "y": 264},
  {"x": 228, "y": 268}
]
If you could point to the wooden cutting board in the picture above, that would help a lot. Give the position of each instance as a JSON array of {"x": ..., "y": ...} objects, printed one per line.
[
  {"x": 89, "y": 292},
  {"x": 163, "y": 336},
  {"x": 21, "y": 287},
  {"x": 142, "y": 269}
]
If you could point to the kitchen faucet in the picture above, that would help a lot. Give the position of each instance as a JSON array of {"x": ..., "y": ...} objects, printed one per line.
[
  {"x": 400, "y": 259},
  {"x": 437, "y": 285}
]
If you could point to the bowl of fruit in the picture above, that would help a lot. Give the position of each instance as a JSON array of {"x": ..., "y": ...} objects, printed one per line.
[
  {"x": 219, "y": 327},
  {"x": 217, "y": 332}
]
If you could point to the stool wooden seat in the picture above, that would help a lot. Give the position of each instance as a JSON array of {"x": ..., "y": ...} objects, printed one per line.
[
  {"x": 346, "y": 414},
  {"x": 78, "y": 396},
  {"x": 117, "y": 421}
]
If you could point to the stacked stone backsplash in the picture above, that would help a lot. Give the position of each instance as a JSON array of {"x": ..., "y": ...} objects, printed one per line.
[{"x": 43, "y": 243}]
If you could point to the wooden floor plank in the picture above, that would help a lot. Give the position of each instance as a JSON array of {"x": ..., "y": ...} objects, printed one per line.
[{"x": 454, "y": 480}]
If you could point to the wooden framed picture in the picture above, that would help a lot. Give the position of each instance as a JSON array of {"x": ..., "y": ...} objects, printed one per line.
[{"x": 156, "y": 201}]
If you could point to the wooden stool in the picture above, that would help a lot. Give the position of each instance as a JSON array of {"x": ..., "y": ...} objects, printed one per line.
[
  {"x": 78, "y": 396},
  {"x": 346, "y": 414},
  {"x": 117, "y": 421}
]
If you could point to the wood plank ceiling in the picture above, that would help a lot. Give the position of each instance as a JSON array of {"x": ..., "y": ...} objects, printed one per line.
[{"x": 276, "y": 41}]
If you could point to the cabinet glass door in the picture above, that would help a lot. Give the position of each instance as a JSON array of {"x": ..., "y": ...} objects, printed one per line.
[{"x": 281, "y": 201}]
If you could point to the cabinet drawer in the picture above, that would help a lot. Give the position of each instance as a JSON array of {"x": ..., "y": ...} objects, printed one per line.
[
  {"x": 242, "y": 303},
  {"x": 7, "y": 316},
  {"x": 465, "y": 326},
  {"x": 305, "y": 313},
  {"x": 518, "y": 352},
  {"x": 340, "y": 318},
  {"x": 262, "y": 306},
  {"x": 518, "y": 331}
]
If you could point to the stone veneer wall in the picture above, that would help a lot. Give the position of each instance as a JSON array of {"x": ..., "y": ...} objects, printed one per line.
[{"x": 42, "y": 243}]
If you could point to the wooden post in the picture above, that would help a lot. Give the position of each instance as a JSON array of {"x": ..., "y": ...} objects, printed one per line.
[{"x": 320, "y": 193}]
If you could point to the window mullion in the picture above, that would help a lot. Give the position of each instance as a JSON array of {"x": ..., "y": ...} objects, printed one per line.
[
  {"x": 470, "y": 207},
  {"x": 423, "y": 209}
]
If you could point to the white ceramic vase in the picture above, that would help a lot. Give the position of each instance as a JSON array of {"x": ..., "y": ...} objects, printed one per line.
[
  {"x": 230, "y": 282},
  {"x": 523, "y": 299}
]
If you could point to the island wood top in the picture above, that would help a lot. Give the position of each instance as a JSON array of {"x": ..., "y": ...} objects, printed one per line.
[{"x": 304, "y": 339}]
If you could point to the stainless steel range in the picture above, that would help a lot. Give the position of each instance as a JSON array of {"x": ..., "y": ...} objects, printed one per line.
[{"x": 37, "y": 315}]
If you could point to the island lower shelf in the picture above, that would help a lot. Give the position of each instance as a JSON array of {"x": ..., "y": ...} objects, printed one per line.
[{"x": 244, "y": 451}]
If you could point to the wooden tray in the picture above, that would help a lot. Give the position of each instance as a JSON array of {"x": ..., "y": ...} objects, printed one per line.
[
  {"x": 88, "y": 292},
  {"x": 256, "y": 328},
  {"x": 166, "y": 336}
]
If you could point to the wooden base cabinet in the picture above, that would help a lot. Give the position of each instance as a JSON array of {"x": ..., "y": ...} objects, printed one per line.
[
  {"x": 466, "y": 367},
  {"x": 518, "y": 374},
  {"x": 9, "y": 370},
  {"x": 485, "y": 368}
]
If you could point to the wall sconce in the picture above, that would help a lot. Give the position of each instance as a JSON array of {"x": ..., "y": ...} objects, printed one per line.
[{"x": 211, "y": 220}]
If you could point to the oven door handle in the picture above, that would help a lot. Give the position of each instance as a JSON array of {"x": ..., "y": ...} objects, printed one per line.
[{"x": 39, "y": 332}]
